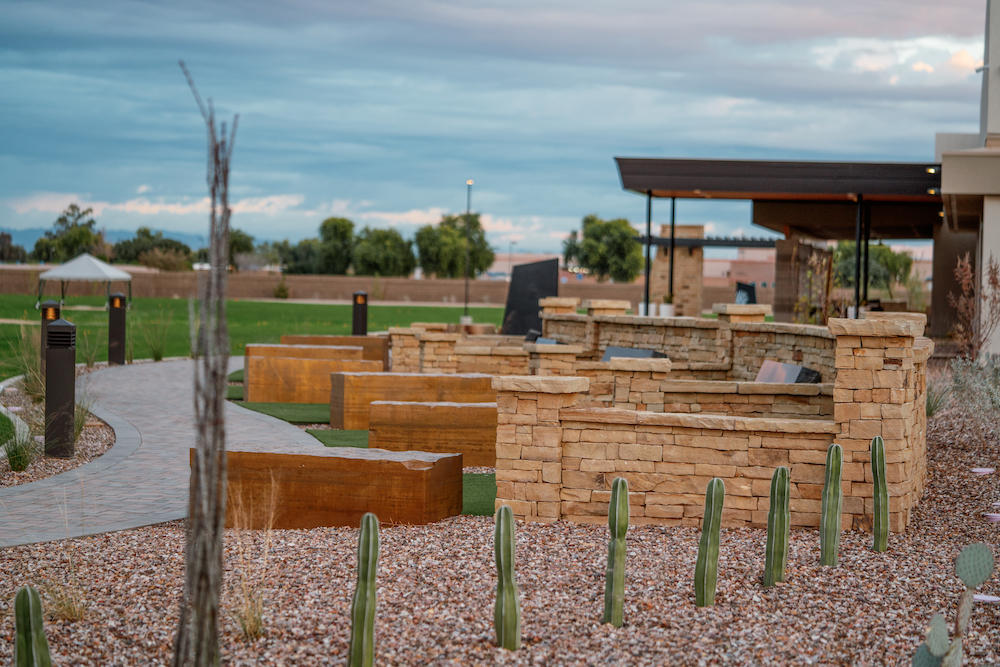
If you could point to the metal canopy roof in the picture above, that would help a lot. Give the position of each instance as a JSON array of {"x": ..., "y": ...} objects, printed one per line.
[{"x": 817, "y": 199}]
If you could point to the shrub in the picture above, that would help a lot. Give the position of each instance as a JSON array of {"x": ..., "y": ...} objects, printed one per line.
[
  {"x": 975, "y": 390},
  {"x": 281, "y": 289},
  {"x": 80, "y": 413},
  {"x": 25, "y": 360},
  {"x": 165, "y": 260},
  {"x": 154, "y": 332},
  {"x": 88, "y": 346},
  {"x": 937, "y": 397},
  {"x": 20, "y": 451}
]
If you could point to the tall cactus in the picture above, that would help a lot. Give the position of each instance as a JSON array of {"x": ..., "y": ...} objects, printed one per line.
[
  {"x": 829, "y": 526},
  {"x": 707, "y": 568},
  {"x": 362, "y": 650},
  {"x": 31, "y": 648},
  {"x": 507, "y": 612},
  {"x": 778, "y": 520},
  {"x": 880, "y": 493},
  {"x": 614, "y": 584}
]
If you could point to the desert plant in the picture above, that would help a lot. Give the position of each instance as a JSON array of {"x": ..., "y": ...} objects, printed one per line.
[
  {"x": 154, "y": 332},
  {"x": 25, "y": 359},
  {"x": 81, "y": 412},
  {"x": 975, "y": 394},
  {"x": 880, "y": 495},
  {"x": 936, "y": 398},
  {"x": 977, "y": 306},
  {"x": 87, "y": 346},
  {"x": 281, "y": 289},
  {"x": 973, "y": 566},
  {"x": 778, "y": 522},
  {"x": 707, "y": 567},
  {"x": 31, "y": 648},
  {"x": 362, "y": 649},
  {"x": 248, "y": 611},
  {"x": 20, "y": 450},
  {"x": 67, "y": 602},
  {"x": 830, "y": 508},
  {"x": 614, "y": 584},
  {"x": 507, "y": 611}
]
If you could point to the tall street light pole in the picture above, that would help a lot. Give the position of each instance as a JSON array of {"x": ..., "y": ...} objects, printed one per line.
[{"x": 468, "y": 242}]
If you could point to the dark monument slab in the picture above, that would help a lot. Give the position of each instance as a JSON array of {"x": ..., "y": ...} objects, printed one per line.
[
  {"x": 776, "y": 371},
  {"x": 631, "y": 352},
  {"x": 528, "y": 284},
  {"x": 746, "y": 293}
]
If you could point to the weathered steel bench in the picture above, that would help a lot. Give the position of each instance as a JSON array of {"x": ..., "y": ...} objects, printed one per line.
[
  {"x": 374, "y": 348},
  {"x": 467, "y": 428},
  {"x": 295, "y": 380}
]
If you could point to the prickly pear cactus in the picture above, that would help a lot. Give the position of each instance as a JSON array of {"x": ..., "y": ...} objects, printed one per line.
[
  {"x": 880, "y": 494},
  {"x": 707, "y": 567},
  {"x": 362, "y": 649},
  {"x": 974, "y": 565},
  {"x": 614, "y": 584},
  {"x": 507, "y": 611},
  {"x": 31, "y": 648},
  {"x": 937, "y": 636},
  {"x": 778, "y": 520},
  {"x": 829, "y": 527}
]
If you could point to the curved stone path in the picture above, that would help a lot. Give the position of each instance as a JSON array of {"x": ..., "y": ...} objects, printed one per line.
[{"x": 143, "y": 478}]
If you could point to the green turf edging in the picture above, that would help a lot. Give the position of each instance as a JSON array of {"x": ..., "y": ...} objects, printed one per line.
[
  {"x": 479, "y": 491},
  {"x": 294, "y": 413},
  {"x": 234, "y": 392},
  {"x": 236, "y": 376},
  {"x": 338, "y": 438}
]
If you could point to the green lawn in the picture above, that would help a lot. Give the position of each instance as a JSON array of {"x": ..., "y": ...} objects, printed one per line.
[
  {"x": 249, "y": 322},
  {"x": 294, "y": 413},
  {"x": 338, "y": 438}
]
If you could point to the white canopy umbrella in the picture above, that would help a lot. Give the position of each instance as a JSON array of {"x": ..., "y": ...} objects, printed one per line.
[{"x": 85, "y": 268}]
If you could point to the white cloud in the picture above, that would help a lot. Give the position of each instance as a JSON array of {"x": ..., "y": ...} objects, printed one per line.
[
  {"x": 921, "y": 66},
  {"x": 964, "y": 61},
  {"x": 142, "y": 189}
]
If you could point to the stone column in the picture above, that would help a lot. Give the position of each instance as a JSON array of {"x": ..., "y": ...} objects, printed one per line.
[
  {"x": 559, "y": 305},
  {"x": 553, "y": 359},
  {"x": 529, "y": 442},
  {"x": 742, "y": 312},
  {"x": 405, "y": 347},
  {"x": 606, "y": 307},
  {"x": 437, "y": 352}
]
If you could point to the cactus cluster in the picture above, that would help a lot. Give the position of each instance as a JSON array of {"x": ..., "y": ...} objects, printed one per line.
[
  {"x": 507, "y": 611},
  {"x": 614, "y": 584},
  {"x": 362, "y": 649},
  {"x": 880, "y": 494},
  {"x": 973, "y": 566},
  {"x": 830, "y": 512},
  {"x": 778, "y": 521},
  {"x": 31, "y": 648},
  {"x": 707, "y": 567}
]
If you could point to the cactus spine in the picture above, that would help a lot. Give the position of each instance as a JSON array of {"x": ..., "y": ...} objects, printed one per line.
[
  {"x": 829, "y": 527},
  {"x": 31, "y": 648},
  {"x": 880, "y": 492},
  {"x": 778, "y": 520},
  {"x": 707, "y": 568},
  {"x": 507, "y": 612},
  {"x": 614, "y": 585},
  {"x": 362, "y": 650}
]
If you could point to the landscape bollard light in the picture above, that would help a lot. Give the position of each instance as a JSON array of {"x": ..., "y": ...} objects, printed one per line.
[
  {"x": 359, "y": 323},
  {"x": 116, "y": 330},
  {"x": 50, "y": 313},
  {"x": 60, "y": 388}
]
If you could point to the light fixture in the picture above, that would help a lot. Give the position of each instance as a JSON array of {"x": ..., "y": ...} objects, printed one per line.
[
  {"x": 931, "y": 170},
  {"x": 469, "y": 182},
  {"x": 932, "y": 191}
]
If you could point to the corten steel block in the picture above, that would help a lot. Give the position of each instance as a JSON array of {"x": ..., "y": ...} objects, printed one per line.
[
  {"x": 375, "y": 347},
  {"x": 467, "y": 428},
  {"x": 351, "y": 393},
  {"x": 292, "y": 380},
  {"x": 335, "y": 486},
  {"x": 305, "y": 351}
]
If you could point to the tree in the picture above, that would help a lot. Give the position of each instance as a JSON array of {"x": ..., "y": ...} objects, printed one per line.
[
  {"x": 571, "y": 250},
  {"x": 336, "y": 245},
  {"x": 239, "y": 242},
  {"x": 885, "y": 267},
  {"x": 145, "y": 240},
  {"x": 442, "y": 248},
  {"x": 383, "y": 252},
  {"x": 9, "y": 251},
  {"x": 72, "y": 233},
  {"x": 608, "y": 248},
  {"x": 303, "y": 257}
]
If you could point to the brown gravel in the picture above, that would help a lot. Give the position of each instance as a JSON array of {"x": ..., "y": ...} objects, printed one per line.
[
  {"x": 437, "y": 583},
  {"x": 95, "y": 439}
]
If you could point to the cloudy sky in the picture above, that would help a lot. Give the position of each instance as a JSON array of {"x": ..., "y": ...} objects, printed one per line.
[{"x": 380, "y": 110}]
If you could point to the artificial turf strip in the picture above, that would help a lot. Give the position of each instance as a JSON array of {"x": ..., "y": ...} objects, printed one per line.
[
  {"x": 236, "y": 376},
  {"x": 294, "y": 413},
  {"x": 338, "y": 438},
  {"x": 479, "y": 491},
  {"x": 234, "y": 392}
]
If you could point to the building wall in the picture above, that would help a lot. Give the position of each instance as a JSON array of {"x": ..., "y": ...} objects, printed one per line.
[{"x": 687, "y": 274}]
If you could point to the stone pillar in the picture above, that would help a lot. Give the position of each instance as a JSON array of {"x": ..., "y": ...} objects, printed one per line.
[
  {"x": 437, "y": 352},
  {"x": 529, "y": 442},
  {"x": 553, "y": 359},
  {"x": 687, "y": 275},
  {"x": 875, "y": 393},
  {"x": 606, "y": 307},
  {"x": 405, "y": 347},
  {"x": 559, "y": 305},
  {"x": 742, "y": 312}
]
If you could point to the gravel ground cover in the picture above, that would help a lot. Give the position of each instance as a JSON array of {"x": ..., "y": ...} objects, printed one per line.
[{"x": 436, "y": 587}]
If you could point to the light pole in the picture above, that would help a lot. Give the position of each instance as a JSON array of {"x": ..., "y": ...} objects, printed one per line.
[{"x": 468, "y": 242}]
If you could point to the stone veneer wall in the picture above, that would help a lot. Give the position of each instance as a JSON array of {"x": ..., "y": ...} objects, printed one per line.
[
  {"x": 668, "y": 458},
  {"x": 687, "y": 274},
  {"x": 492, "y": 360}
]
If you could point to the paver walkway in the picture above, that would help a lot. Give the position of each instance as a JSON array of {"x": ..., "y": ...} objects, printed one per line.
[{"x": 144, "y": 478}]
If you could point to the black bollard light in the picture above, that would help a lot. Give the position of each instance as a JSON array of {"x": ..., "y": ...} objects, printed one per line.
[
  {"x": 50, "y": 313},
  {"x": 60, "y": 388},
  {"x": 359, "y": 324},
  {"x": 116, "y": 330}
]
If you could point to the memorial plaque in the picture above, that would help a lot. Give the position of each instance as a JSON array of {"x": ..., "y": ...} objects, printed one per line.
[
  {"x": 746, "y": 293},
  {"x": 528, "y": 284},
  {"x": 631, "y": 353},
  {"x": 776, "y": 371}
]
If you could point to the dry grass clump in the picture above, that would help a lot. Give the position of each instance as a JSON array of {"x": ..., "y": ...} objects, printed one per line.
[{"x": 252, "y": 549}]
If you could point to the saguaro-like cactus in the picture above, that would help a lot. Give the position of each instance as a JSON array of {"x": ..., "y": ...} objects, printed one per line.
[
  {"x": 362, "y": 651},
  {"x": 778, "y": 520},
  {"x": 614, "y": 584},
  {"x": 706, "y": 570},
  {"x": 507, "y": 611},
  {"x": 31, "y": 648},
  {"x": 829, "y": 526},
  {"x": 880, "y": 493}
]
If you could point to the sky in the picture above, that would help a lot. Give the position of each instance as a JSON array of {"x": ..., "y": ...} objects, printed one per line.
[{"x": 380, "y": 111}]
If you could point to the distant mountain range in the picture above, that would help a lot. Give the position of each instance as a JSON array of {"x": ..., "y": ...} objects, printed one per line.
[{"x": 27, "y": 237}]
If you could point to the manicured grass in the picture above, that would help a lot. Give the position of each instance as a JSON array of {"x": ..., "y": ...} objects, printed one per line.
[
  {"x": 479, "y": 491},
  {"x": 234, "y": 392},
  {"x": 236, "y": 376},
  {"x": 249, "y": 322},
  {"x": 294, "y": 413},
  {"x": 338, "y": 438}
]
